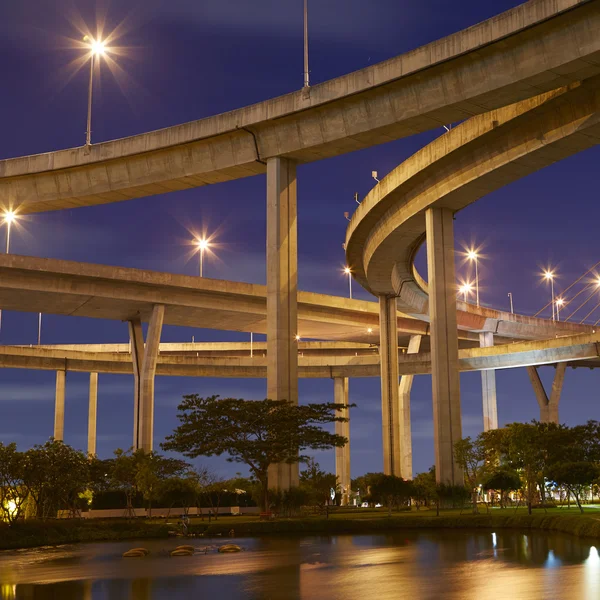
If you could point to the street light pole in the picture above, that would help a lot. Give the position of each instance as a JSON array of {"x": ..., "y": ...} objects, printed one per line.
[
  {"x": 39, "y": 329},
  {"x": 348, "y": 272},
  {"x": 88, "y": 132},
  {"x": 306, "y": 80},
  {"x": 511, "y": 303},
  {"x": 97, "y": 48}
]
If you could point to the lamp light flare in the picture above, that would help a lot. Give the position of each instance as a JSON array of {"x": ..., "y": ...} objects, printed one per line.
[
  {"x": 98, "y": 47},
  {"x": 9, "y": 217},
  {"x": 297, "y": 338},
  {"x": 202, "y": 244}
]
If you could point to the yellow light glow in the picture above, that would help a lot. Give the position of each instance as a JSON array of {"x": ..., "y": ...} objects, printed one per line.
[
  {"x": 9, "y": 216},
  {"x": 465, "y": 288},
  {"x": 98, "y": 47},
  {"x": 202, "y": 244},
  {"x": 560, "y": 301},
  {"x": 472, "y": 255},
  {"x": 548, "y": 275},
  {"x": 297, "y": 338},
  {"x": 369, "y": 330},
  {"x": 347, "y": 270}
]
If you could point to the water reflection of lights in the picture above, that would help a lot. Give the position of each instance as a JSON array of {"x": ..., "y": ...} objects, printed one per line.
[
  {"x": 494, "y": 544},
  {"x": 592, "y": 570},
  {"x": 551, "y": 560},
  {"x": 8, "y": 591}
]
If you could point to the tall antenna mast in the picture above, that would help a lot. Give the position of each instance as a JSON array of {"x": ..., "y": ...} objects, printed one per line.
[{"x": 306, "y": 83}]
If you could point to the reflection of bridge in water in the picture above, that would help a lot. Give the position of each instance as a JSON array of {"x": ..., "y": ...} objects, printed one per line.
[{"x": 526, "y": 84}]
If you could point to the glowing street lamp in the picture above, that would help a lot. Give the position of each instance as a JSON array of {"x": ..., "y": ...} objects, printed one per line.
[
  {"x": 9, "y": 217},
  {"x": 465, "y": 289},
  {"x": 202, "y": 246},
  {"x": 473, "y": 256},
  {"x": 97, "y": 49},
  {"x": 348, "y": 272},
  {"x": 549, "y": 276},
  {"x": 559, "y": 303}
]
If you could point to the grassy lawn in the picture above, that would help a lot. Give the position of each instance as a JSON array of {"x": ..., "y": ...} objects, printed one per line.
[{"x": 382, "y": 513}]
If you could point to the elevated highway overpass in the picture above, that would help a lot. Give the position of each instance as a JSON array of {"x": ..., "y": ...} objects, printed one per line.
[{"x": 526, "y": 80}]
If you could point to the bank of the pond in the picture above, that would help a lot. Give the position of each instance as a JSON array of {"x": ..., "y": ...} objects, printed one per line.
[
  {"x": 31, "y": 534},
  {"x": 37, "y": 533},
  {"x": 579, "y": 525}
]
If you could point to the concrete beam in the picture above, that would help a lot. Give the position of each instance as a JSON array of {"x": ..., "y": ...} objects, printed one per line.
[
  {"x": 444, "y": 343},
  {"x": 282, "y": 292},
  {"x": 342, "y": 455},
  {"x": 575, "y": 351},
  {"x": 390, "y": 416},
  {"x": 59, "y": 406},
  {"x": 548, "y": 405},
  {"x": 488, "y": 387},
  {"x": 92, "y": 412},
  {"x": 531, "y": 48},
  {"x": 404, "y": 389}
]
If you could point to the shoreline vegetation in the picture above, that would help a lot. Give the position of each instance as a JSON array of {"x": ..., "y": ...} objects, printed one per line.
[{"x": 31, "y": 534}]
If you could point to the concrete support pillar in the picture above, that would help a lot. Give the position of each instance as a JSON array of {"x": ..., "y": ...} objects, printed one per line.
[
  {"x": 93, "y": 404},
  {"x": 406, "y": 381},
  {"x": 342, "y": 455},
  {"x": 488, "y": 387},
  {"x": 390, "y": 406},
  {"x": 444, "y": 343},
  {"x": 146, "y": 409},
  {"x": 136, "y": 342},
  {"x": 59, "y": 406},
  {"x": 282, "y": 290},
  {"x": 144, "y": 368},
  {"x": 548, "y": 406}
]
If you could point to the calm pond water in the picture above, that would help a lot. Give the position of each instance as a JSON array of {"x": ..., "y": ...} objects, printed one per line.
[{"x": 449, "y": 565}]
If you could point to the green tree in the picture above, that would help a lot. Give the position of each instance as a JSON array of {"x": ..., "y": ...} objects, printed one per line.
[
  {"x": 575, "y": 476},
  {"x": 124, "y": 474},
  {"x": 179, "y": 491},
  {"x": 390, "y": 490},
  {"x": 258, "y": 433},
  {"x": 526, "y": 453},
  {"x": 317, "y": 484},
  {"x": 471, "y": 458},
  {"x": 503, "y": 480},
  {"x": 425, "y": 488},
  {"x": 55, "y": 475},
  {"x": 13, "y": 493}
]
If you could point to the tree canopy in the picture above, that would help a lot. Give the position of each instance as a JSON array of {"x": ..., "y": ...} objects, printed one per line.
[{"x": 258, "y": 433}]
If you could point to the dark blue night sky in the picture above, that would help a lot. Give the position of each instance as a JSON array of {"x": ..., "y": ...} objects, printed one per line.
[{"x": 189, "y": 59}]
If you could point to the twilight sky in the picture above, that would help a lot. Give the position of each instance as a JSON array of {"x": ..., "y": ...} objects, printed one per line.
[{"x": 189, "y": 59}]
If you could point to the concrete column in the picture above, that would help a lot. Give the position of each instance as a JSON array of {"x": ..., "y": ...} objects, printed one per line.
[
  {"x": 136, "y": 341},
  {"x": 59, "y": 406},
  {"x": 406, "y": 381},
  {"x": 444, "y": 343},
  {"x": 342, "y": 455},
  {"x": 146, "y": 407},
  {"x": 390, "y": 406},
  {"x": 488, "y": 387},
  {"x": 93, "y": 404},
  {"x": 548, "y": 406},
  {"x": 282, "y": 289}
]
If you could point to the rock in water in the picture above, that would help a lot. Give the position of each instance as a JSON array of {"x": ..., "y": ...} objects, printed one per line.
[
  {"x": 230, "y": 548},
  {"x": 136, "y": 553}
]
